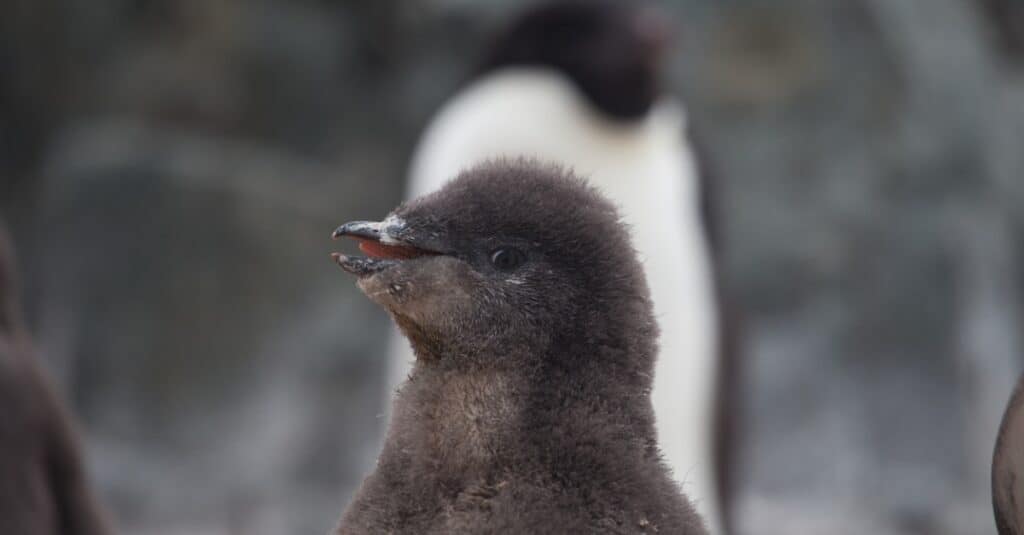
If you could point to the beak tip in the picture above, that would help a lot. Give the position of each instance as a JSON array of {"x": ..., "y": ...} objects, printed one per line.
[
  {"x": 339, "y": 259},
  {"x": 339, "y": 232},
  {"x": 358, "y": 229}
]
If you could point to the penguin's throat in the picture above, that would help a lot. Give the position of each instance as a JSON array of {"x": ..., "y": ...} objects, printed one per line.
[{"x": 426, "y": 347}]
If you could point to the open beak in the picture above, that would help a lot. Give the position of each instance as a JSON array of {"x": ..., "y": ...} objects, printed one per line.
[{"x": 382, "y": 244}]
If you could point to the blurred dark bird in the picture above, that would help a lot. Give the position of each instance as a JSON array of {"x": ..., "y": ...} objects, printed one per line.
[
  {"x": 1008, "y": 468},
  {"x": 580, "y": 83},
  {"x": 43, "y": 487},
  {"x": 527, "y": 409}
]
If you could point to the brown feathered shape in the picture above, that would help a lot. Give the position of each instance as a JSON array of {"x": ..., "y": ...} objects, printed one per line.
[
  {"x": 528, "y": 409},
  {"x": 43, "y": 488},
  {"x": 1008, "y": 468}
]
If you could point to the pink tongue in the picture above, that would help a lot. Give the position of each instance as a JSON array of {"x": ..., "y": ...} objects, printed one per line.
[{"x": 375, "y": 249}]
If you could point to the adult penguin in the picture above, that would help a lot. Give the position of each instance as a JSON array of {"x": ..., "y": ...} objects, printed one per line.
[
  {"x": 43, "y": 486},
  {"x": 579, "y": 82}
]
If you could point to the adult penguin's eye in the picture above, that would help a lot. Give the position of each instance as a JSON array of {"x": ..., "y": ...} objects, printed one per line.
[{"x": 507, "y": 258}]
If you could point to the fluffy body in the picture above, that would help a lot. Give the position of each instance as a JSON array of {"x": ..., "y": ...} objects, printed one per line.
[
  {"x": 527, "y": 409},
  {"x": 43, "y": 487},
  {"x": 647, "y": 170}
]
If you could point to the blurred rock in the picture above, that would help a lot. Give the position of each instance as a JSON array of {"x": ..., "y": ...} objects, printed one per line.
[
  {"x": 205, "y": 332},
  {"x": 870, "y": 236}
]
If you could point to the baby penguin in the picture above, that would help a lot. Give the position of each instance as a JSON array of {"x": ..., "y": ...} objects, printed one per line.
[{"x": 528, "y": 407}]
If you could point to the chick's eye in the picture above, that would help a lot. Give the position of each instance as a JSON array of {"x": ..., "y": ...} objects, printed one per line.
[{"x": 507, "y": 258}]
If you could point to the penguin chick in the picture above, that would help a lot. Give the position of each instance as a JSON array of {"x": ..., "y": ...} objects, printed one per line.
[
  {"x": 43, "y": 487},
  {"x": 1008, "y": 468},
  {"x": 528, "y": 407},
  {"x": 581, "y": 82}
]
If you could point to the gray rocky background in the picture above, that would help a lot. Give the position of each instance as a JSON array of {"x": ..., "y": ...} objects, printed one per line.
[{"x": 172, "y": 171}]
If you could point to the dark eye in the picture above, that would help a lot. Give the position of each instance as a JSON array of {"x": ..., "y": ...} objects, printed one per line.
[{"x": 507, "y": 258}]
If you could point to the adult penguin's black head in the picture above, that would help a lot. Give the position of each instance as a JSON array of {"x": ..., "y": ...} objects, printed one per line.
[
  {"x": 1008, "y": 468},
  {"x": 511, "y": 261},
  {"x": 611, "y": 50}
]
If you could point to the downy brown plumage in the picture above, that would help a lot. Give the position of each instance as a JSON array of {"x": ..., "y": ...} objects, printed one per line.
[{"x": 528, "y": 408}]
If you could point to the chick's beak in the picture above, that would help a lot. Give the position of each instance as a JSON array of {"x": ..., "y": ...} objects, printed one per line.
[{"x": 380, "y": 242}]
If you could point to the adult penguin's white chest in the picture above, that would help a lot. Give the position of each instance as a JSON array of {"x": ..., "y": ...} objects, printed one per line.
[{"x": 646, "y": 168}]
